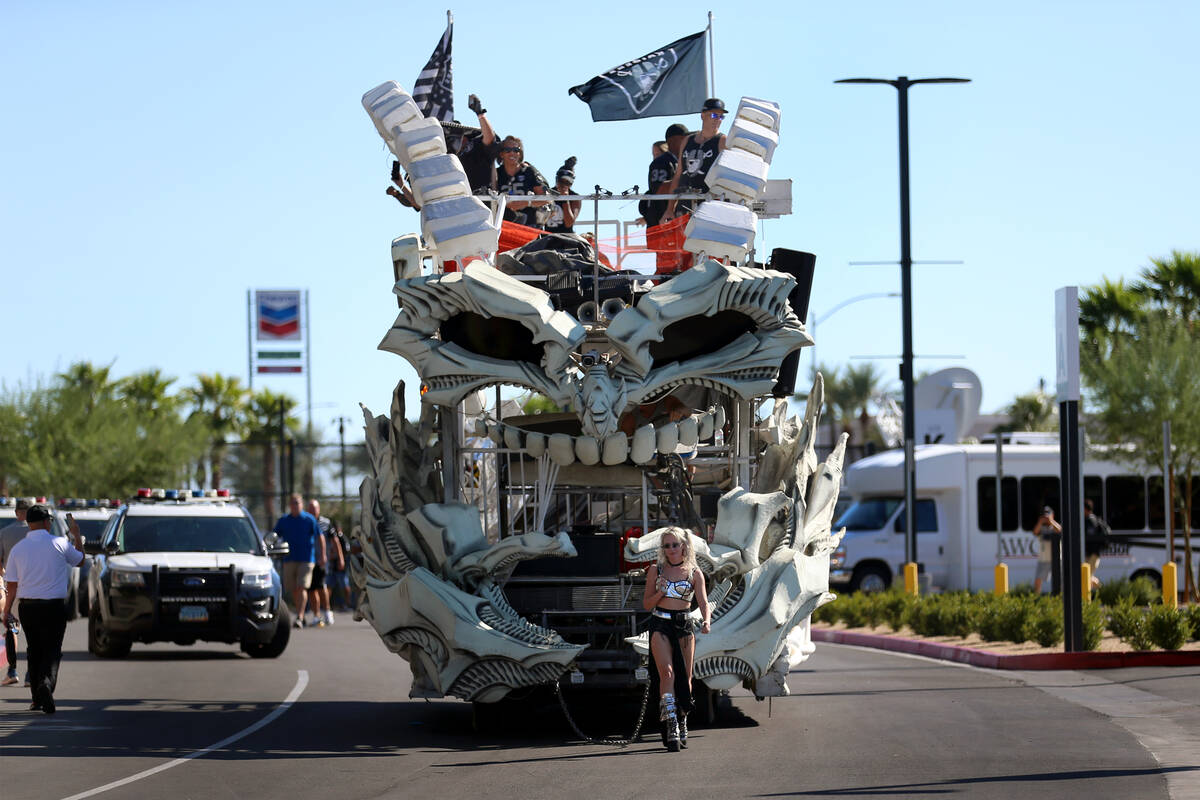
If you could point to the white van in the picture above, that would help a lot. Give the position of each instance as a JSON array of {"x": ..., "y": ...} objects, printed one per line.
[{"x": 957, "y": 543}]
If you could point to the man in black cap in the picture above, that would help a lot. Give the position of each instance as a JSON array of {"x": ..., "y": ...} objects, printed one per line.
[
  {"x": 700, "y": 151},
  {"x": 39, "y": 575},
  {"x": 662, "y": 169}
]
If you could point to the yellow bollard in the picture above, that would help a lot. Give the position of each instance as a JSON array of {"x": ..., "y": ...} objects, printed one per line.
[
  {"x": 1170, "y": 585},
  {"x": 910, "y": 579},
  {"x": 1001, "y": 579},
  {"x": 1085, "y": 582}
]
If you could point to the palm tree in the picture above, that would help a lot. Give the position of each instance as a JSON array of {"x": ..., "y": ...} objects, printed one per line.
[
  {"x": 92, "y": 382},
  {"x": 219, "y": 403},
  {"x": 860, "y": 385},
  {"x": 146, "y": 391},
  {"x": 1173, "y": 284},
  {"x": 1109, "y": 311},
  {"x": 265, "y": 412},
  {"x": 1034, "y": 411}
]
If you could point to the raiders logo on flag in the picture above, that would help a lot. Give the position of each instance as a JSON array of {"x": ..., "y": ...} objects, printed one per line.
[{"x": 666, "y": 82}]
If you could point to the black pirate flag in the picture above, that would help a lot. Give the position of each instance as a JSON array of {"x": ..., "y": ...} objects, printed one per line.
[
  {"x": 664, "y": 83},
  {"x": 433, "y": 90}
]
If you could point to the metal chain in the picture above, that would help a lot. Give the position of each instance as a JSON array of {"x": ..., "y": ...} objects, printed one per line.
[{"x": 633, "y": 737}]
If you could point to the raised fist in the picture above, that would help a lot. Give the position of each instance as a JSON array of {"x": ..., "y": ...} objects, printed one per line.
[{"x": 474, "y": 104}]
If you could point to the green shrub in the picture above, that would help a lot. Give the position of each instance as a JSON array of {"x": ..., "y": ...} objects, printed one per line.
[
  {"x": 960, "y": 615},
  {"x": 873, "y": 609},
  {"x": 1093, "y": 625},
  {"x": 1193, "y": 613},
  {"x": 895, "y": 604},
  {"x": 1128, "y": 622},
  {"x": 854, "y": 610},
  {"x": 1006, "y": 618},
  {"x": 1168, "y": 628},
  {"x": 1141, "y": 592},
  {"x": 1046, "y": 622},
  {"x": 829, "y": 613}
]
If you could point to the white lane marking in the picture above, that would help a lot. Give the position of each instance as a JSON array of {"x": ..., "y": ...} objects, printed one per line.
[{"x": 297, "y": 690}]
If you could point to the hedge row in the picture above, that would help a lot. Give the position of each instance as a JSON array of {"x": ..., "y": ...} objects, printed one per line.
[{"x": 1019, "y": 617}]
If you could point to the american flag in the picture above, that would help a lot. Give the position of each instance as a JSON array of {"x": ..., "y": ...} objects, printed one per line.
[{"x": 433, "y": 89}]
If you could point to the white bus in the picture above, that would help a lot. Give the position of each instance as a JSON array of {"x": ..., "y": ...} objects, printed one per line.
[{"x": 957, "y": 543}]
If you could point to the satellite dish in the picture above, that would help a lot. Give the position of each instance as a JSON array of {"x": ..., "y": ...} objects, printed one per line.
[{"x": 948, "y": 403}]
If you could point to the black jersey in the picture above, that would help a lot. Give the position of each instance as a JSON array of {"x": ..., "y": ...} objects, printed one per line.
[
  {"x": 698, "y": 157},
  {"x": 556, "y": 223},
  {"x": 523, "y": 182},
  {"x": 662, "y": 169},
  {"x": 479, "y": 161}
]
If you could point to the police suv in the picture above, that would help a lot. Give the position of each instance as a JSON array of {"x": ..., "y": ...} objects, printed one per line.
[{"x": 179, "y": 566}]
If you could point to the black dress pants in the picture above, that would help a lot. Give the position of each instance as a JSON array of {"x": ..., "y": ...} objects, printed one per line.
[{"x": 44, "y": 623}]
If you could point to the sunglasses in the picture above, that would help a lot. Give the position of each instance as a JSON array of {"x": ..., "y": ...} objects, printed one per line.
[
  {"x": 510, "y": 149},
  {"x": 673, "y": 545},
  {"x": 716, "y": 115}
]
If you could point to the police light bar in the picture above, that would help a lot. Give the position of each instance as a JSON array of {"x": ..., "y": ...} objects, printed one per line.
[{"x": 143, "y": 493}]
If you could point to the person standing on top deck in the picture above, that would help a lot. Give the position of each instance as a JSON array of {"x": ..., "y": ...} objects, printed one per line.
[
  {"x": 518, "y": 176},
  {"x": 477, "y": 150},
  {"x": 662, "y": 170},
  {"x": 563, "y": 213},
  {"x": 700, "y": 151}
]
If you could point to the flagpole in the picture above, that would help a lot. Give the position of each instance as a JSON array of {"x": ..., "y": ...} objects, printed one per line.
[{"x": 712, "y": 67}]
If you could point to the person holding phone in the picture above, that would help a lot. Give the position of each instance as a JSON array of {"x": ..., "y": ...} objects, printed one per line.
[{"x": 1046, "y": 531}]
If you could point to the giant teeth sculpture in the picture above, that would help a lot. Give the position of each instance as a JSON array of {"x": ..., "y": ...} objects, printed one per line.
[{"x": 430, "y": 582}]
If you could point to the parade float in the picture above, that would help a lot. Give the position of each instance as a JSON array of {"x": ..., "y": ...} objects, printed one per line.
[{"x": 502, "y": 550}]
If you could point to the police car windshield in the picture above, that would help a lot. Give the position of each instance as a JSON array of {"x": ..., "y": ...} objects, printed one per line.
[
  {"x": 868, "y": 515},
  {"x": 91, "y": 529},
  {"x": 189, "y": 535}
]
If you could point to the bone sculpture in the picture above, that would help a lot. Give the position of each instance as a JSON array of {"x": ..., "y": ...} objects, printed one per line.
[{"x": 430, "y": 582}]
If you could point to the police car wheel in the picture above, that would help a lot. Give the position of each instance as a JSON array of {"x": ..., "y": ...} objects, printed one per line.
[
  {"x": 102, "y": 643},
  {"x": 278, "y": 643}
]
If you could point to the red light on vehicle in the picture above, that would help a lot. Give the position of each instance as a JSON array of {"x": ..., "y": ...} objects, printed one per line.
[
  {"x": 222, "y": 493},
  {"x": 143, "y": 492},
  {"x": 62, "y": 502}
]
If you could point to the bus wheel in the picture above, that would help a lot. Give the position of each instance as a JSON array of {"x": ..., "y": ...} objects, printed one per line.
[
  {"x": 870, "y": 578},
  {"x": 1148, "y": 573}
]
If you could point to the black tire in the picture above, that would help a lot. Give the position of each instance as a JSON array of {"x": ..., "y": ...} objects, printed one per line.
[
  {"x": 278, "y": 643},
  {"x": 1153, "y": 575},
  {"x": 101, "y": 642},
  {"x": 870, "y": 578}
]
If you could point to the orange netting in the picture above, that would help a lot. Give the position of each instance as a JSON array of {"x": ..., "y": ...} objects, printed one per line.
[{"x": 664, "y": 241}]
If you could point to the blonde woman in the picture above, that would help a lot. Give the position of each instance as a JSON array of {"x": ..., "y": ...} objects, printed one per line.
[{"x": 671, "y": 584}]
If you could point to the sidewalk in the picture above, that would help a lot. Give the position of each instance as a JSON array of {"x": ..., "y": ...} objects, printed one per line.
[{"x": 977, "y": 657}]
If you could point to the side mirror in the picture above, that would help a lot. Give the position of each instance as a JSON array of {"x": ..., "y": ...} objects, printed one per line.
[
  {"x": 276, "y": 546},
  {"x": 92, "y": 548}
]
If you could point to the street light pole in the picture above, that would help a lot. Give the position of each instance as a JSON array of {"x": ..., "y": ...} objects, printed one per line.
[
  {"x": 822, "y": 317},
  {"x": 901, "y": 85}
]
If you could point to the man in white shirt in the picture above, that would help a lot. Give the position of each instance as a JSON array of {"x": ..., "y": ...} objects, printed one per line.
[{"x": 39, "y": 575}]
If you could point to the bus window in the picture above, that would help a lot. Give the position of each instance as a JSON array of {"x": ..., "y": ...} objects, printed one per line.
[
  {"x": 986, "y": 492},
  {"x": 1093, "y": 489},
  {"x": 1154, "y": 497},
  {"x": 868, "y": 515},
  {"x": 926, "y": 518},
  {"x": 1125, "y": 501},
  {"x": 1037, "y": 492}
]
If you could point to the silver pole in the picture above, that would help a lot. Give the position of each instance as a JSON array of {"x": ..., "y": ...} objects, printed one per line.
[
  {"x": 999, "y": 483},
  {"x": 712, "y": 64},
  {"x": 250, "y": 339},
  {"x": 308, "y": 360},
  {"x": 1167, "y": 520}
]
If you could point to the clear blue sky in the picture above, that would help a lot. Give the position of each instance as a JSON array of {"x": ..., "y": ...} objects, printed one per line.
[{"x": 159, "y": 159}]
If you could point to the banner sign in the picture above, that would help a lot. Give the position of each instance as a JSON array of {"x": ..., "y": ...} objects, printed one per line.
[
  {"x": 668, "y": 82},
  {"x": 278, "y": 315}
]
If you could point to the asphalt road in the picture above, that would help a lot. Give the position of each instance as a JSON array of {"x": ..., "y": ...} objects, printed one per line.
[{"x": 332, "y": 718}]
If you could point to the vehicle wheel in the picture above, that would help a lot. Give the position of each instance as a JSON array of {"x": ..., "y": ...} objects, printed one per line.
[
  {"x": 1148, "y": 573},
  {"x": 278, "y": 643},
  {"x": 870, "y": 578},
  {"x": 102, "y": 643}
]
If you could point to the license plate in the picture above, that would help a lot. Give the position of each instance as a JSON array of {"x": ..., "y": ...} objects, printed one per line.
[{"x": 193, "y": 614}]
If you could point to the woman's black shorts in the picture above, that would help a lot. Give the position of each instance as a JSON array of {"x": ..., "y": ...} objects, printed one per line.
[{"x": 679, "y": 625}]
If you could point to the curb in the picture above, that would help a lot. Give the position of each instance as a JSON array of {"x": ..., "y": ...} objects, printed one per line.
[{"x": 1031, "y": 661}]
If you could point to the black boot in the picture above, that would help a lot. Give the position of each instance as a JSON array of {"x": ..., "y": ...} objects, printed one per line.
[{"x": 683, "y": 732}]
